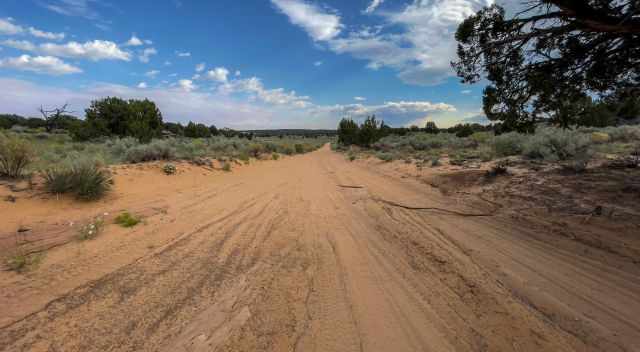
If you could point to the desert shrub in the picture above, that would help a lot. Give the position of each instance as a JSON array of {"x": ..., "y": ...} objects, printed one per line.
[
  {"x": 85, "y": 180},
  {"x": 385, "y": 156},
  {"x": 299, "y": 148},
  {"x": 91, "y": 230},
  {"x": 576, "y": 166},
  {"x": 256, "y": 149},
  {"x": 156, "y": 150},
  {"x": 15, "y": 154},
  {"x": 623, "y": 133},
  {"x": 555, "y": 144},
  {"x": 169, "y": 169},
  {"x": 126, "y": 220},
  {"x": 275, "y": 156},
  {"x": 508, "y": 144},
  {"x": 600, "y": 137},
  {"x": 226, "y": 166},
  {"x": 435, "y": 161}
]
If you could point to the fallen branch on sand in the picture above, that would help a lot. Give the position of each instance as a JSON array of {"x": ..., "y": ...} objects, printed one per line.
[{"x": 350, "y": 186}]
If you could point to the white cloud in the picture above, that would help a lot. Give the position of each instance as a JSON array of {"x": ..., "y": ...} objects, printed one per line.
[
  {"x": 196, "y": 76},
  {"x": 40, "y": 64},
  {"x": 256, "y": 89},
  {"x": 95, "y": 50},
  {"x": 173, "y": 75},
  {"x": 79, "y": 8},
  {"x": 183, "y": 54},
  {"x": 373, "y": 6},
  {"x": 167, "y": 63},
  {"x": 417, "y": 40},
  {"x": 466, "y": 91},
  {"x": 237, "y": 73},
  {"x": 134, "y": 41},
  {"x": 46, "y": 35},
  {"x": 317, "y": 63},
  {"x": 187, "y": 85},
  {"x": 218, "y": 74},
  {"x": 319, "y": 23},
  {"x": 145, "y": 55},
  {"x": 7, "y": 27},
  {"x": 142, "y": 85},
  {"x": 20, "y": 44},
  {"x": 359, "y": 98},
  {"x": 200, "y": 67},
  {"x": 152, "y": 73}
]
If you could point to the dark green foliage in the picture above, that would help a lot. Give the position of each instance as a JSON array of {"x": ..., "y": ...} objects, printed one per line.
[
  {"x": 431, "y": 127},
  {"x": 85, "y": 180},
  {"x": 464, "y": 131},
  {"x": 175, "y": 128},
  {"x": 117, "y": 117},
  {"x": 213, "y": 130},
  {"x": 369, "y": 132},
  {"x": 196, "y": 130},
  {"x": 548, "y": 59},
  {"x": 347, "y": 132}
]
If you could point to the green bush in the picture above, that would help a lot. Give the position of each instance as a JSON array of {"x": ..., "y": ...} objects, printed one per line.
[
  {"x": 552, "y": 144},
  {"x": 509, "y": 144},
  {"x": 275, "y": 156},
  {"x": 385, "y": 156},
  {"x": 156, "y": 150},
  {"x": 15, "y": 154},
  {"x": 299, "y": 148},
  {"x": 226, "y": 166},
  {"x": 126, "y": 220},
  {"x": 87, "y": 181}
]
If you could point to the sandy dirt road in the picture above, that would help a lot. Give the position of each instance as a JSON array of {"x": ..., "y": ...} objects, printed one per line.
[{"x": 312, "y": 253}]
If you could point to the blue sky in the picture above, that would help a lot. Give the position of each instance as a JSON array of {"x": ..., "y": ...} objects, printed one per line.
[{"x": 242, "y": 64}]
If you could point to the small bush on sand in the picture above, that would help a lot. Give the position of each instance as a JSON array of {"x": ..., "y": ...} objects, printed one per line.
[
  {"x": 275, "y": 156},
  {"x": 387, "y": 157},
  {"x": 15, "y": 154},
  {"x": 127, "y": 220},
  {"x": 299, "y": 148},
  {"x": 91, "y": 230},
  {"x": 169, "y": 169},
  {"x": 87, "y": 181},
  {"x": 21, "y": 262},
  {"x": 156, "y": 150},
  {"x": 226, "y": 166},
  {"x": 435, "y": 161},
  {"x": 500, "y": 168}
]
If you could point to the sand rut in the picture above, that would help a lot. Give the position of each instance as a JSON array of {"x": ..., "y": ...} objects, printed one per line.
[{"x": 277, "y": 257}]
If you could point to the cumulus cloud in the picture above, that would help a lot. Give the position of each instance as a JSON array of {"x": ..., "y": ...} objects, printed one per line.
[
  {"x": 152, "y": 73},
  {"x": 373, "y": 6},
  {"x": 317, "y": 63},
  {"x": 417, "y": 40},
  {"x": 187, "y": 85},
  {"x": 95, "y": 50},
  {"x": 255, "y": 88},
  {"x": 40, "y": 64},
  {"x": 134, "y": 41},
  {"x": 200, "y": 67},
  {"x": 466, "y": 91},
  {"x": 20, "y": 44},
  {"x": 145, "y": 55},
  {"x": 319, "y": 23},
  {"x": 9, "y": 28},
  {"x": 218, "y": 74},
  {"x": 46, "y": 35},
  {"x": 359, "y": 98},
  {"x": 183, "y": 54},
  {"x": 142, "y": 85}
]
